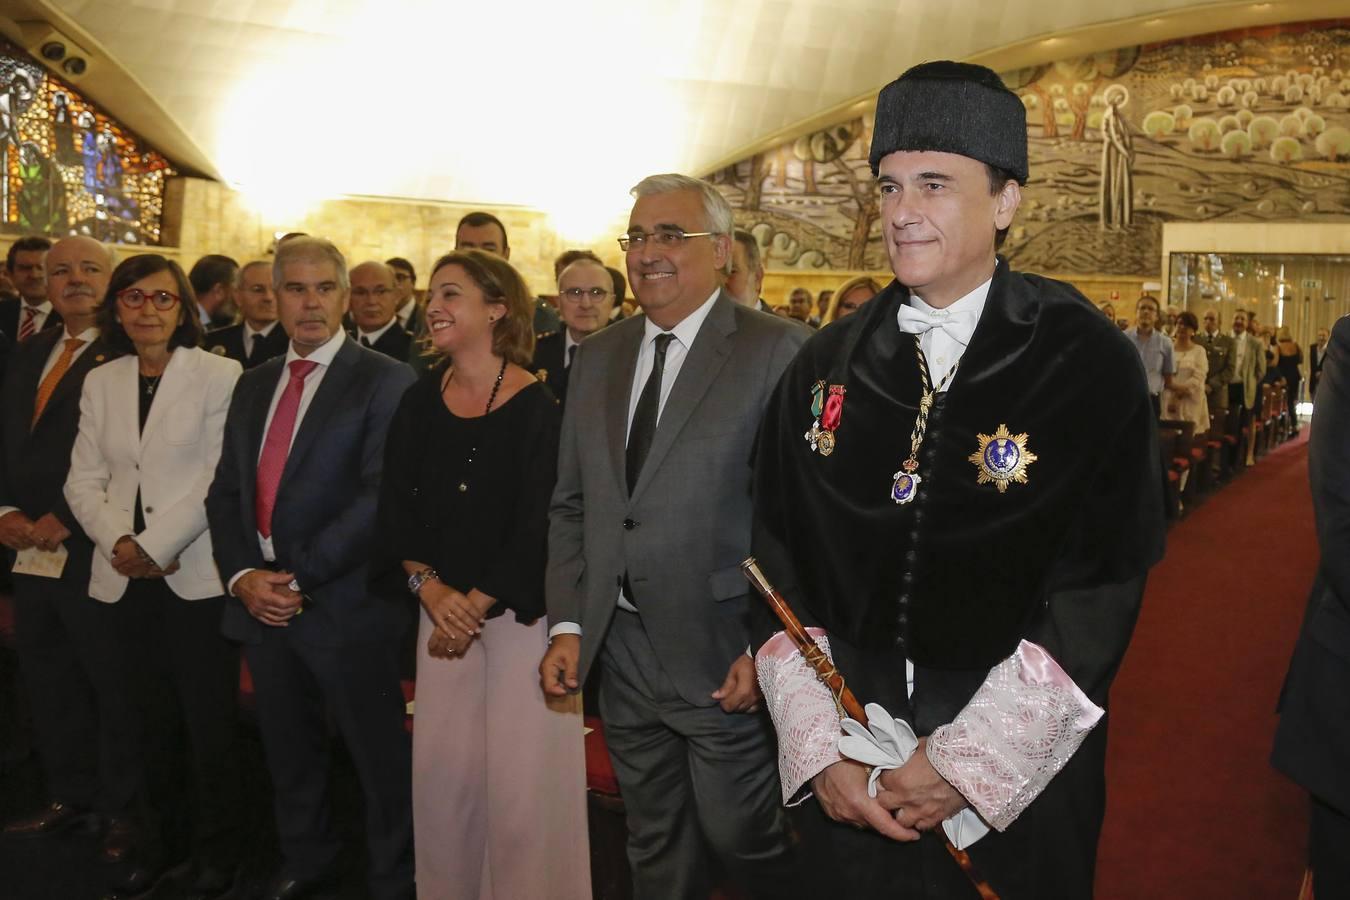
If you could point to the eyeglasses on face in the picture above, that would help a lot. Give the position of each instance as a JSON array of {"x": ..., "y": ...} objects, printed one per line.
[
  {"x": 134, "y": 298},
  {"x": 665, "y": 238},
  {"x": 575, "y": 294}
]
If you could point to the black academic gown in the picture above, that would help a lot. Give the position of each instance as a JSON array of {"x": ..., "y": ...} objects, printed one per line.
[
  {"x": 956, "y": 578},
  {"x": 549, "y": 363},
  {"x": 229, "y": 341},
  {"x": 394, "y": 343}
]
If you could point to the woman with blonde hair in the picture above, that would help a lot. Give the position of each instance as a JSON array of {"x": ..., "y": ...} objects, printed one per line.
[
  {"x": 499, "y": 780},
  {"x": 850, "y": 296},
  {"x": 1290, "y": 360}
]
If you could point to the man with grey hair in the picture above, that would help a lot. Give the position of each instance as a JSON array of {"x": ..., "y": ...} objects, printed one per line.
[
  {"x": 746, "y": 279},
  {"x": 291, "y": 512},
  {"x": 643, "y": 568},
  {"x": 71, "y": 670},
  {"x": 259, "y": 336}
]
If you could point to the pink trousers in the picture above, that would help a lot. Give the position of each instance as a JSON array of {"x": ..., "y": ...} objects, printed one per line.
[{"x": 499, "y": 774}]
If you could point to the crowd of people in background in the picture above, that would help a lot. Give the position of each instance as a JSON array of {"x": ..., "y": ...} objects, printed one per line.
[{"x": 1195, "y": 370}]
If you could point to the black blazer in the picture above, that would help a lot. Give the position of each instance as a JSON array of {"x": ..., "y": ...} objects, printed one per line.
[
  {"x": 395, "y": 343},
  {"x": 36, "y": 456},
  {"x": 9, "y": 318},
  {"x": 548, "y": 364},
  {"x": 1312, "y": 741},
  {"x": 323, "y": 522},
  {"x": 229, "y": 341}
]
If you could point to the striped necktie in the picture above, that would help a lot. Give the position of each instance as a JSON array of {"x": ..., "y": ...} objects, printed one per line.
[{"x": 29, "y": 326}]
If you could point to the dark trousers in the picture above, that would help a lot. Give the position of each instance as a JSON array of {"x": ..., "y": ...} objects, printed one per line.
[
  {"x": 184, "y": 680},
  {"x": 82, "y": 714},
  {"x": 300, "y": 686},
  {"x": 1156, "y": 402},
  {"x": 1237, "y": 399},
  {"x": 692, "y": 778},
  {"x": 1328, "y": 842}
]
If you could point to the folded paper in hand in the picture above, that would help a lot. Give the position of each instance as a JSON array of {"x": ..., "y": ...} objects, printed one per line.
[{"x": 41, "y": 563}]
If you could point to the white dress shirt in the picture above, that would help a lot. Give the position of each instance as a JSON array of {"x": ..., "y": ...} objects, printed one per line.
[
  {"x": 41, "y": 312},
  {"x": 252, "y": 336},
  {"x": 685, "y": 332},
  {"x": 404, "y": 313},
  {"x": 89, "y": 335},
  {"x": 941, "y": 349},
  {"x": 322, "y": 355},
  {"x": 1239, "y": 355},
  {"x": 373, "y": 336}
]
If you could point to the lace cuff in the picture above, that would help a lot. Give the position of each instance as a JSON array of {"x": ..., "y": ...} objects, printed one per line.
[
  {"x": 1015, "y": 734},
  {"x": 803, "y": 710}
]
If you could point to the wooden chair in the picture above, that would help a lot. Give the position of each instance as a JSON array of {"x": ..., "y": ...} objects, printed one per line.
[{"x": 1168, "y": 439}]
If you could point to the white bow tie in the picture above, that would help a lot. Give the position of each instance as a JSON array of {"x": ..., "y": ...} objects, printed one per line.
[{"x": 958, "y": 325}]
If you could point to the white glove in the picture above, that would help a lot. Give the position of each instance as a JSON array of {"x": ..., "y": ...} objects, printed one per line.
[{"x": 888, "y": 743}]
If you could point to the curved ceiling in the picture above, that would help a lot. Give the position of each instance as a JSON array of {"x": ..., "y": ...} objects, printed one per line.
[{"x": 554, "y": 105}]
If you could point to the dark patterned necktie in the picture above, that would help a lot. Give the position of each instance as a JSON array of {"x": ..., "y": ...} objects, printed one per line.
[{"x": 643, "y": 430}]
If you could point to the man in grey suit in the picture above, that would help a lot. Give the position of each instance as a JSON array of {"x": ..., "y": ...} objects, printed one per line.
[
  {"x": 649, "y": 522},
  {"x": 1249, "y": 366},
  {"x": 1219, "y": 353}
]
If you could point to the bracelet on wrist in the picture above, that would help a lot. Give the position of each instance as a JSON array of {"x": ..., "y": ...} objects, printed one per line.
[{"x": 417, "y": 579}]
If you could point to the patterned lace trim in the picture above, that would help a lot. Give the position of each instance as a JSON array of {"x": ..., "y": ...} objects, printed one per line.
[
  {"x": 1013, "y": 737},
  {"x": 803, "y": 711}
]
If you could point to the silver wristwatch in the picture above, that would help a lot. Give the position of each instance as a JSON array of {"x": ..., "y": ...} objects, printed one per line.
[{"x": 419, "y": 578}]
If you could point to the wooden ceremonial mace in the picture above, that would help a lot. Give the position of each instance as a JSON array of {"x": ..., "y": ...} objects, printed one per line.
[{"x": 844, "y": 697}]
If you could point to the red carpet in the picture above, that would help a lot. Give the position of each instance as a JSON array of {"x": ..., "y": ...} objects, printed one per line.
[{"x": 1194, "y": 810}]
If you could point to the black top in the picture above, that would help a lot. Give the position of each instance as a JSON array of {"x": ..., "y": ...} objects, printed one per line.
[
  {"x": 147, "y": 388},
  {"x": 480, "y": 524}
]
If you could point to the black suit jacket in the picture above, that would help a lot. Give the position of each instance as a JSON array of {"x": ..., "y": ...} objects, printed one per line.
[
  {"x": 548, "y": 365},
  {"x": 395, "y": 343},
  {"x": 229, "y": 341},
  {"x": 1312, "y": 742},
  {"x": 9, "y": 318},
  {"x": 36, "y": 456},
  {"x": 324, "y": 517}
]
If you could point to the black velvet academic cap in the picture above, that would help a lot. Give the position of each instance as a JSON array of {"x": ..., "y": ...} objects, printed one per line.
[{"x": 952, "y": 107}]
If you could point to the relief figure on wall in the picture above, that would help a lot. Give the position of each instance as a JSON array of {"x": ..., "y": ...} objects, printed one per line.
[{"x": 1116, "y": 196}]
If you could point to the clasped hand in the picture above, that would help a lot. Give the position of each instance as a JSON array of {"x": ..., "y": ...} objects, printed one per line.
[
  {"x": 912, "y": 798},
  {"x": 457, "y": 618},
  {"x": 18, "y": 532},
  {"x": 267, "y": 596},
  {"x": 129, "y": 559}
]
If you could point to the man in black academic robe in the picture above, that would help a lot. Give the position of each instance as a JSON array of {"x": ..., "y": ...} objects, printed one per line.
[
  {"x": 585, "y": 296},
  {"x": 1034, "y": 515},
  {"x": 259, "y": 336}
]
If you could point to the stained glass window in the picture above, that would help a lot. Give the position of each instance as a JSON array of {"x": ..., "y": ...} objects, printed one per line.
[{"x": 69, "y": 168}]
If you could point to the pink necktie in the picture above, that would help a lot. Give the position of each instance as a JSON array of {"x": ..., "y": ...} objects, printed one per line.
[
  {"x": 29, "y": 326},
  {"x": 278, "y": 445}
]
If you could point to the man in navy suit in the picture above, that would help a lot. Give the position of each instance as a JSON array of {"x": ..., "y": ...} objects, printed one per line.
[{"x": 291, "y": 510}]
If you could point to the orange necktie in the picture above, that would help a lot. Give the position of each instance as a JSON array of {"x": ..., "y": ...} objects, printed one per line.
[{"x": 53, "y": 378}]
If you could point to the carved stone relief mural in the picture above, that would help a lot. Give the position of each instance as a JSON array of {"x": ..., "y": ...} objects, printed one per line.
[{"x": 1250, "y": 125}]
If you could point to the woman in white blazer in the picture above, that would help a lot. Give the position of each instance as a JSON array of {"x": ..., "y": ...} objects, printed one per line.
[{"x": 151, "y": 425}]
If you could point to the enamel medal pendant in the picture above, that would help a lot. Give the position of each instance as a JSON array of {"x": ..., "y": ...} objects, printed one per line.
[
  {"x": 827, "y": 412},
  {"x": 906, "y": 482}
]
